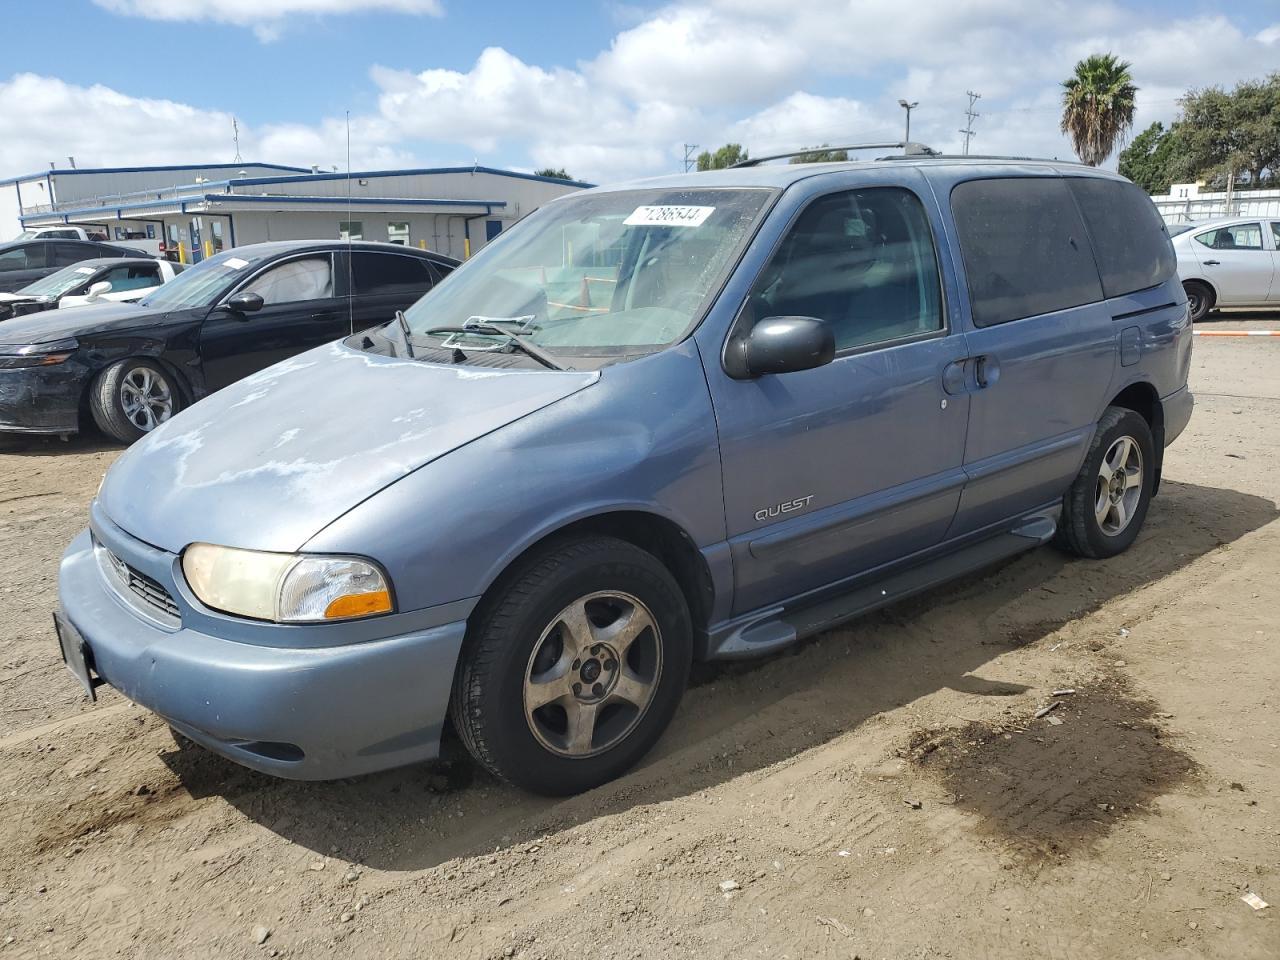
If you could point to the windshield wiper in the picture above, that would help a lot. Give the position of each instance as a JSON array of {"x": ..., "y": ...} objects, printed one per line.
[
  {"x": 517, "y": 339},
  {"x": 404, "y": 332}
]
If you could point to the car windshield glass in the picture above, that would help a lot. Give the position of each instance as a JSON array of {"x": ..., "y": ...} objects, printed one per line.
[
  {"x": 201, "y": 285},
  {"x": 56, "y": 284},
  {"x": 598, "y": 274},
  {"x": 26, "y": 235}
]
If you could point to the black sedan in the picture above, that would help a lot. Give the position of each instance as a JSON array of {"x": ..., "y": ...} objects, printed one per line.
[
  {"x": 132, "y": 366},
  {"x": 25, "y": 261}
]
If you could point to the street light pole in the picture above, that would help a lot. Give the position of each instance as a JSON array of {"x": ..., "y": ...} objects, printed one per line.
[{"x": 908, "y": 107}]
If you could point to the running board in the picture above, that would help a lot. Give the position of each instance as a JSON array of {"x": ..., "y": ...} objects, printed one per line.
[{"x": 782, "y": 627}]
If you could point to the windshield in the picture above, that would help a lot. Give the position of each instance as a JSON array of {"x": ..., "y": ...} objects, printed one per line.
[
  {"x": 26, "y": 235},
  {"x": 201, "y": 285},
  {"x": 56, "y": 284},
  {"x": 598, "y": 274}
]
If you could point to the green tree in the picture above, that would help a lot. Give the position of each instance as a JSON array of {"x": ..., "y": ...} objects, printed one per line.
[
  {"x": 1224, "y": 133},
  {"x": 557, "y": 173},
  {"x": 726, "y": 156},
  {"x": 1097, "y": 106},
  {"x": 821, "y": 154},
  {"x": 1153, "y": 159}
]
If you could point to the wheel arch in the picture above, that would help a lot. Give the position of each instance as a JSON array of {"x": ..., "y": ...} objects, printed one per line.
[
  {"x": 1141, "y": 397},
  {"x": 648, "y": 530},
  {"x": 150, "y": 353},
  {"x": 1206, "y": 283}
]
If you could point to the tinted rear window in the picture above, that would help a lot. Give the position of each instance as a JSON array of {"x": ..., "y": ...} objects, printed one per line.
[
  {"x": 1129, "y": 236},
  {"x": 1025, "y": 248},
  {"x": 374, "y": 273}
]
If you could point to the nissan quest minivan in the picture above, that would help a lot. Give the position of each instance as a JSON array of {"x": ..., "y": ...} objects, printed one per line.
[{"x": 697, "y": 417}]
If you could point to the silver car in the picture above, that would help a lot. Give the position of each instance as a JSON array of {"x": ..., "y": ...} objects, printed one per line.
[{"x": 1231, "y": 262}]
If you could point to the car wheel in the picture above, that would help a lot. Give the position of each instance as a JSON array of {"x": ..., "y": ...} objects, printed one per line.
[
  {"x": 1105, "y": 508},
  {"x": 573, "y": 670},
  {"x": 1199, "y": 299},
  {"x": 132, "y": 397}
]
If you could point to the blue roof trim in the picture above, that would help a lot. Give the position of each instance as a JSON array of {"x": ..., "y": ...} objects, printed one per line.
[
  {"x": 414, "y": 172},
  {"x": 354, "y": 201},
  {"x": 171, "y": 166}
]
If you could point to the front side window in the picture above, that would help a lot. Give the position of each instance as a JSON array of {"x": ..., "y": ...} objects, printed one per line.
[
  {"x": 350, "y": 229},
  {"x": 26, "y": 257},
  {"x": 1025, "y": 248},
  {"x": 1239, "y": 236},
  {"x": 377, "y": 273},
  {"x": 609, "y": 274},
  {"x": 861, "y": 261},
  {"x": 309, "y": 278}
]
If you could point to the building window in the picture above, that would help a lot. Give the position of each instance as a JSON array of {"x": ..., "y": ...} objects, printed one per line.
[
  {"x": 492, "y": 228},
  {"x": 398, "y": 232},
  {"x": 215, "y": 236},
  {"x": 350, "y": 229}
]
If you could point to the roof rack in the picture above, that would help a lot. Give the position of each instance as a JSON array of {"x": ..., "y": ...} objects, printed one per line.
[
  {"x": 909, "y": 149},
  {"x": 978, "y": 156}
]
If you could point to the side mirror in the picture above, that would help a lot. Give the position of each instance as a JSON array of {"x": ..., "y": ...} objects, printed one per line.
[
  {"x": 99, "y": 288},
  {"x": 787, "y": 345},
  {"x": 245, "y": 302}
]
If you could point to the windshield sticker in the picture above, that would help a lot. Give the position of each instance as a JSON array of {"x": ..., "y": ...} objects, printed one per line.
[
  {"x": 235, "y": 263},
  {"x": 85, "y": 269},
  {"x": 669, "y": 216}
]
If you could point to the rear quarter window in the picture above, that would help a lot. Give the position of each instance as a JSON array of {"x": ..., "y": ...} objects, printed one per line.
[
  {"x": 1129, "y": 236},
  {"x": 1025, "y": 248}
]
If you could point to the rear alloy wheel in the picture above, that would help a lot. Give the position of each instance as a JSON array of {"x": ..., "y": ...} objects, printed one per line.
[
  {"x": 1104, "y": 510},
  {"x": 574, "y": 667},
  {"x": 133, "y": 397},
  {"x": 1199, "y": 299}
]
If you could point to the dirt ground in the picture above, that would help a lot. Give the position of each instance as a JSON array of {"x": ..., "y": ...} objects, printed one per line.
[{"x": 885, "y": 791}]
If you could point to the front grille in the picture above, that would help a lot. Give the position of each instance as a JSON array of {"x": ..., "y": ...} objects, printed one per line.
[{"x": 148, "y": 591}]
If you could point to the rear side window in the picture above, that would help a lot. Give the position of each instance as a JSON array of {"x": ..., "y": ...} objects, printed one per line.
[
  {"x": 1129, "y": 235},
  {"x": 1025, "y": 248},
  {"x": 378, "y": 273},
  {"x": 1239, "y": 236},
  {"x": 67, "y": 252}
]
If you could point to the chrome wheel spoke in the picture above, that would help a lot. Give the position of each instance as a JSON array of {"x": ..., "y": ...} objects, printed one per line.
[
  {"x": 580, "y": 733},
  {"x": 576, "y": 630},
  {"x": 1132, "y": 478},
  {"x": 623, "y": 632},
  {"x": 1102, "y": 503},
  {"x": 1119, "y": 514},
  {"x": 631, "y": 688}
]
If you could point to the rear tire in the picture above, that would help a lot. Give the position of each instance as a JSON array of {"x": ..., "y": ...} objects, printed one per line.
[
  {"x": 1104, "y": 509},
  {"x": 132, "y": 397},
  {"x": 1200, "y": 299},
  {"x": 574, "y": 669}
]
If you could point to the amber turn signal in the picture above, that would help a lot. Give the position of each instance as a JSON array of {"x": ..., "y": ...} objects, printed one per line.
[{"x": 358, "y": 605}]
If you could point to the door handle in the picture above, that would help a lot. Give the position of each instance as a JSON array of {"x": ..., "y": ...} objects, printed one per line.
[
  {"x": 1212, "y": 263},
  {"x": 986, "y": 371}
]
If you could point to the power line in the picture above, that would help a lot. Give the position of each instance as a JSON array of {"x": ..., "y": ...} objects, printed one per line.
[
  {"x": 689, "y": 159},
  {"x": 970, "y": 116}
]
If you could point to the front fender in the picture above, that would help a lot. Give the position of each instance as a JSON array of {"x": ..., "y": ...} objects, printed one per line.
[{"x": 642, "y": 440}]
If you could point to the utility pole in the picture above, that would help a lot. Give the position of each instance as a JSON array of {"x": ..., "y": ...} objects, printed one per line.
[
  {"x": 235, "y": 138},
  {"x": 970, "y": 117},
  {"x": 908, "y": 107},
  {"x": 689, "y": 159}
]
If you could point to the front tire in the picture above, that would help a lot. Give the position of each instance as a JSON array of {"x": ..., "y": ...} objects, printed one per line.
[
  {"x": 574, "y": 669},
  {"x": 1200, "y": 299},
  {"x": 132, "y": 397},
  {"x": 1103, "y": 511}
]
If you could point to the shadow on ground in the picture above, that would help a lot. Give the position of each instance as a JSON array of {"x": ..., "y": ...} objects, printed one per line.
[{"x": 727, "y": 727}]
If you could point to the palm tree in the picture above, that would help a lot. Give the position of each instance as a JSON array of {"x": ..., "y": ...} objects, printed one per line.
[{"x": 1097, "y": 106}]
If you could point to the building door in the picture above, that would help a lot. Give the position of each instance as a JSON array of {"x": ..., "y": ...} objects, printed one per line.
[{"x": 197, "y": 254}]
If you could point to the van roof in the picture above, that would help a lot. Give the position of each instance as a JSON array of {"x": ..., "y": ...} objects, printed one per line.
[{"x": 783, "y": 175}]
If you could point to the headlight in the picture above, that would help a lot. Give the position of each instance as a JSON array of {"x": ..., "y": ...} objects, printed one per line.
[
  {"x": 38, "y": 354},
  {"x": 285, "y": 587}
]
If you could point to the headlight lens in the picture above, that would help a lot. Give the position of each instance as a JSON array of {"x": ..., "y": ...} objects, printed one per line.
[
  {"x": 285, "y": 587},
  {"x": 38, "y": 354}
]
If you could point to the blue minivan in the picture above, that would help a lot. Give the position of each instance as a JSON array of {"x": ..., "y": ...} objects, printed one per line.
[{"x": 696, "y": 417}]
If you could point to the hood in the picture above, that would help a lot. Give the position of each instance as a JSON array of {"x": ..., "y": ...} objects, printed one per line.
[
  {"x": 51, "y": 325},
  {"x": 267, "y": 463}
]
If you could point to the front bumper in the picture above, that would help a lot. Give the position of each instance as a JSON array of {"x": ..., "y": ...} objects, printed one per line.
[
  {"x": 41, "y": 399},
  {"x": 296, "y": 711}
]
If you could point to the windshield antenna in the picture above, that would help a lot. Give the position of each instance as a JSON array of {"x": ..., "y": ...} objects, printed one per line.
[{"x": 351, "y": 310}]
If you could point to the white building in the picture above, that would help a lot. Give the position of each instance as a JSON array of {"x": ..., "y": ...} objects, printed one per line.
[
  {"x": 1190, "y": 202},
  {"x": 196, "y": 211}
]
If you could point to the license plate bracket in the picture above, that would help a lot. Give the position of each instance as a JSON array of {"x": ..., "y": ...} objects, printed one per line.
[{"x": 74, "y": 655}]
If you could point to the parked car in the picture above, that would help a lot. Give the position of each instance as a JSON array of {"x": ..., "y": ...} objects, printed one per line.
[
  {"x": 1231, "y": 262},
  {"x": 22, "y": 262},
  {"x": 104, "y": 280},
  {"x": 63, "y": 232},
  {"x": 133, "y": 365},
  {"x": 695, "y": 417}
]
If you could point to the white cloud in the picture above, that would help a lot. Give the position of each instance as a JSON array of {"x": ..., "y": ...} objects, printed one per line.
[{"x": 266, "y": 17}]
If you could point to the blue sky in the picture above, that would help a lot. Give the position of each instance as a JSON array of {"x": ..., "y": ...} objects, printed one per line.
[{"x": 604, "y": 89}]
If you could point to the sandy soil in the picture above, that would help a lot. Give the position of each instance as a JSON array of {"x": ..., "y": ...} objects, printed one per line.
[{"x": 884, "y": 791}]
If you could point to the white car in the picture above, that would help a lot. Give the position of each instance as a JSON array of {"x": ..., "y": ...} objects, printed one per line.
[
  {"x": 103, "y": 280},
  {"x": 1232, "y": 262}
]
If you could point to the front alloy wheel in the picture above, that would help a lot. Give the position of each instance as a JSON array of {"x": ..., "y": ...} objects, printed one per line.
[
  {"x": 132, "y": 397},
  {"x": 145, "y": 398}
]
